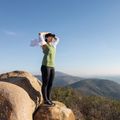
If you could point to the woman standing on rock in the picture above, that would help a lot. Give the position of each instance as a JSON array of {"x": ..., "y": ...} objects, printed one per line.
[{"x": 48, "y": 42}]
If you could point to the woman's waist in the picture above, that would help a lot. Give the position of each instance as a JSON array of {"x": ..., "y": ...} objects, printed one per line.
[{"x": 47, "y": 66}]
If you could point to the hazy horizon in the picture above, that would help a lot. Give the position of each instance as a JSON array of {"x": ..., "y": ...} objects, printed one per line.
[{"x": 77, "y": 75}]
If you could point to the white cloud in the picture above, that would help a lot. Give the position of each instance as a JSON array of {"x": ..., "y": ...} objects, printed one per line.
[{"x": 10, "y": 33}]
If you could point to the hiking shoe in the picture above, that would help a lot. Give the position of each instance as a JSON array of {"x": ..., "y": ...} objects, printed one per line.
[
  {"x": 48, "y": 103},
  {"x": 52, "y": 102}
]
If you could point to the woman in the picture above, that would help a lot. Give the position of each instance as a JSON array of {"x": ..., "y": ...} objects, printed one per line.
[{"x": 48, "y": 42}]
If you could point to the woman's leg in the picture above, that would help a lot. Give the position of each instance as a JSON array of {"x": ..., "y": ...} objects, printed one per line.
[
  {"x": 45, "y": 78},
  {"x": 50, "y": 83}
]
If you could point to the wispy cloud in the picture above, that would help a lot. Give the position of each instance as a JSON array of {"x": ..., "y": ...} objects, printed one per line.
[{"x": 10, "y": 33}]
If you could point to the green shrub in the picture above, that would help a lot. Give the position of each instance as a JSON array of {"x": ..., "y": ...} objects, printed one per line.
[{"x": 89, "y": 107}]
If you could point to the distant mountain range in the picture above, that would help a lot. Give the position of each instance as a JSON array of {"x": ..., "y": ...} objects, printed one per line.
[
  {"x": 115, "y": 78},
  {"x": 99, "y": 87},
  {"x": 63, "y": 79},
  {"x": 88, "y": 86}
]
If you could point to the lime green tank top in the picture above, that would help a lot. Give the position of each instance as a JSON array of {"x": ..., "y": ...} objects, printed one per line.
[{"x": 49, "y": 55}]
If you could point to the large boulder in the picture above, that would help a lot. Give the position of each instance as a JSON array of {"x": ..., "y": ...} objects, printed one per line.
[
  {"x": 23, "y": 92},
  {"x": 16, "y": 104},
  {"x": 26, "y": 81},
  {"x": 21, "y": 99},
  {"x": 57, "y": 112}
]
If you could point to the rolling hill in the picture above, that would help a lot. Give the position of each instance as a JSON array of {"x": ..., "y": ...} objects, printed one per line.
[
  {"x": 99, "y": 87},
  {"x": 63, "y": 79},
  {"x": 88, "y": 86}
]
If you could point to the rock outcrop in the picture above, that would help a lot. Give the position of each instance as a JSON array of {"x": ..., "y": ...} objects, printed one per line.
[
  {"x": 58, "y": 112},
  {"x": 21, "y": 99},
  {"x": 23, "y": 92},
  {"x": 27, "y": 82},
  {"x": 19, "y": 104}
]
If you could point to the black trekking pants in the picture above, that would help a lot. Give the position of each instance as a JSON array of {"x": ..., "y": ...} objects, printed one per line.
[{"x": 48, "y": 74}]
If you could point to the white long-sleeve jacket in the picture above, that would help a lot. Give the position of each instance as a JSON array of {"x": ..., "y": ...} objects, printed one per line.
[{"x": 43, "y": 42}]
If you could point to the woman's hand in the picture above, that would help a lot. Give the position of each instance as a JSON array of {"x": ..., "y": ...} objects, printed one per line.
[{"x": 43, "y": 33}]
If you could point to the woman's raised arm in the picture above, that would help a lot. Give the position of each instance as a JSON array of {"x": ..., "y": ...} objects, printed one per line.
[
  {"x": 56, "y": 41},
  {"x": 41, "y": 36}
]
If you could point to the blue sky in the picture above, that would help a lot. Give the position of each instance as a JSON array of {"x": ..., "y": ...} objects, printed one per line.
[{"x": 89, "y": 32}]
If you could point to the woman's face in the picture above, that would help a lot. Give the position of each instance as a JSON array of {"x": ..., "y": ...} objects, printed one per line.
[{"x": 50, "y": 39}]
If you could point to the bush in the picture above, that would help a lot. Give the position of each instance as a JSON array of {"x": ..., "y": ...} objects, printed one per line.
[{"x": 87, "y": 107}]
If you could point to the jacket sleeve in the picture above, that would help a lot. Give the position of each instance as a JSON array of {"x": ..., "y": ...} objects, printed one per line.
[
  {"x": 42, "y": 39},
  {"x": 56, "y": 41}
]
